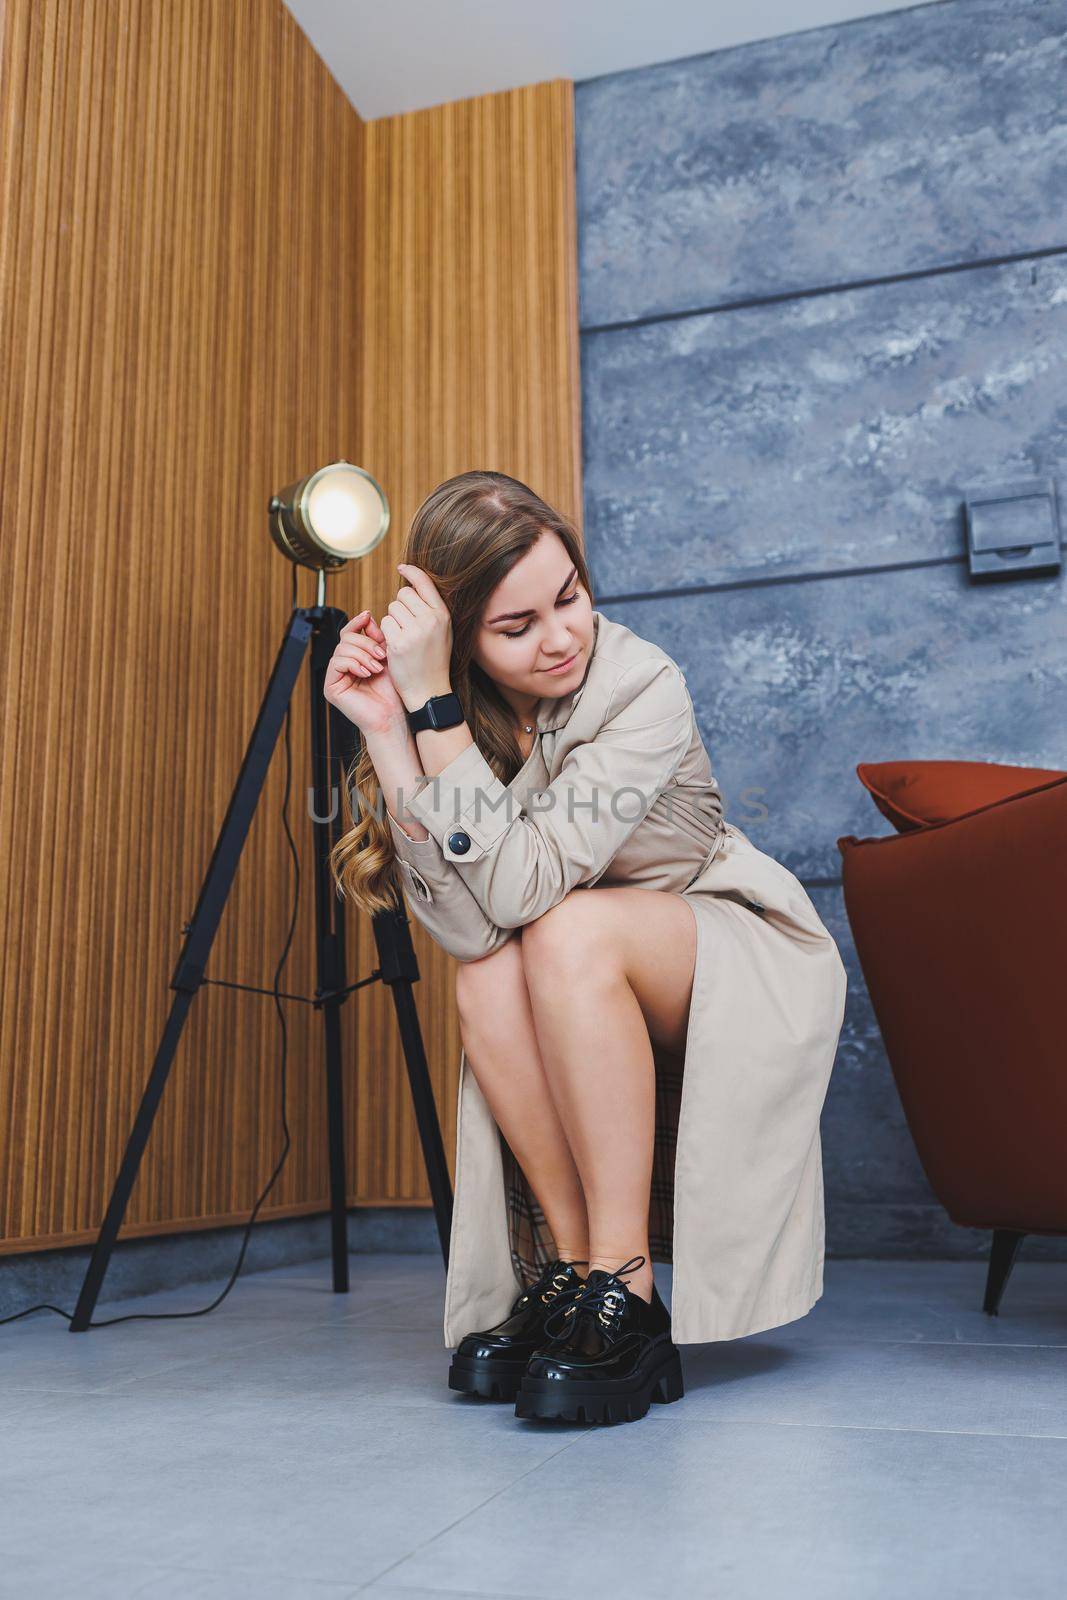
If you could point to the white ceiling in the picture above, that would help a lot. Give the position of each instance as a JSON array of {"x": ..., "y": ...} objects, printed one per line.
[{"x": 401, "y": 55}]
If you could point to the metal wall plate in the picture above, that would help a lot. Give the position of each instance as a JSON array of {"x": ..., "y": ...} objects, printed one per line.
[{"x": 1012, "y": 529}]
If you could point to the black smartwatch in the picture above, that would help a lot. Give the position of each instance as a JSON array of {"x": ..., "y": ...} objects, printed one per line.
[{"x": 440, "y": 711}]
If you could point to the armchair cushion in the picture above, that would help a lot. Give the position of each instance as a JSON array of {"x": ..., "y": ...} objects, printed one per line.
[{"x": 913, "y": 794}]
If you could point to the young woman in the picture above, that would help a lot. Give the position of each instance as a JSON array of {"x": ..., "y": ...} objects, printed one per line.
[{"x": 649, "y": 1006}]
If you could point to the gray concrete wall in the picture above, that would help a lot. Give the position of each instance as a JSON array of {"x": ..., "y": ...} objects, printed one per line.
[
  {"x": 202, "y": 1260},
  {"x": 823, "y": 288}
]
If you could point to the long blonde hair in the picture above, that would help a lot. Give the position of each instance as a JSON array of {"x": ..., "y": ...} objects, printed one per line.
[{"x": 467, "y": 535}]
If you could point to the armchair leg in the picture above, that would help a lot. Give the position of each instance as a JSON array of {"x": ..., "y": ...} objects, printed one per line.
[{"x": 1001, "y": 1260}]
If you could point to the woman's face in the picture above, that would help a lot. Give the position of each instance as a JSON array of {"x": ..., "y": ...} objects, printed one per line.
[{"x": 536, "y": 619}]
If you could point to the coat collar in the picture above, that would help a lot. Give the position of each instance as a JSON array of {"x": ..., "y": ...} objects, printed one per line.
[{"x": 552, "y": 711}]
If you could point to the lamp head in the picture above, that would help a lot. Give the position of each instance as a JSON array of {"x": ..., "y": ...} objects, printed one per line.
[{"x": 334, "y": 515}]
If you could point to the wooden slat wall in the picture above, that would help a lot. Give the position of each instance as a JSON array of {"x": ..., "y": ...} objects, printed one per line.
[
  {"x": 212, "y": 276},
  {"x": 470, "y": 359}
]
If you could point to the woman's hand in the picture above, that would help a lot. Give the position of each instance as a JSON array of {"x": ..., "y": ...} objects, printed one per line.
[
  {"x": 358, "y": 681},
  {"x": 418, "y": 634}
]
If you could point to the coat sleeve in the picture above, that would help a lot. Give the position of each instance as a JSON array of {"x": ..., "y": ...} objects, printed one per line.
[
  {"x": 518, "y": 864},
  {"x": 441, "y": 901}
]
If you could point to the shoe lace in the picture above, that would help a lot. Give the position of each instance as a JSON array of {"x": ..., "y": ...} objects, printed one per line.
[
  {"x": 605, "y": 1300},
  {"x": 553, "y": 1282}
]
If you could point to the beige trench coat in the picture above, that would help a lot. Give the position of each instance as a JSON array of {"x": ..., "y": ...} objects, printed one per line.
[{"x": 619, "y": 789}]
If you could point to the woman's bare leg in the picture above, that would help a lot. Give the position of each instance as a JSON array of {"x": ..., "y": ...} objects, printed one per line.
[
  {"x": 496, "y": 1025},
  {"x": 608, "y": 972}
]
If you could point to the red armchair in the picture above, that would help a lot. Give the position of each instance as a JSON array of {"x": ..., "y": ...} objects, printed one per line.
[{"x": 960, "y": 925}]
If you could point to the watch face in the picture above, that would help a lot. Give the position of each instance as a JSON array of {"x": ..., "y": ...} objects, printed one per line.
[
  {"x": 440, "y": 711},
  {"x": 444, "y": 711}
]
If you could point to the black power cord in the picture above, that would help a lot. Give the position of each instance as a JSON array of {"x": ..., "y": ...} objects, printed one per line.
[{"x": 173, "y": 1316}]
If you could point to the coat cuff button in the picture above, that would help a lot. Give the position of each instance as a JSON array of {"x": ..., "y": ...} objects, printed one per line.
[{"x": 460, "y": 843}]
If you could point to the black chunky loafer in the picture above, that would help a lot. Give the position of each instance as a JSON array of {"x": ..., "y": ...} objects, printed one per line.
[
  {"x": 607, "y": 1356},
  {"x": 492, "y": 1362}
]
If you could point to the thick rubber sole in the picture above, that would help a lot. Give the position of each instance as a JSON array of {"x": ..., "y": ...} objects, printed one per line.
[
  {"x": 496, "y": 1380},
  {"x": 601, "y": 1400}
]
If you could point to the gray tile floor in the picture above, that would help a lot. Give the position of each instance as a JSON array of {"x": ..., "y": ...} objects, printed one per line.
[{"x": 293, "y": 1443}]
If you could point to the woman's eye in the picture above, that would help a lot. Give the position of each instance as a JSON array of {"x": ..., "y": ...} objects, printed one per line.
[{"x": 571, "y": 598}]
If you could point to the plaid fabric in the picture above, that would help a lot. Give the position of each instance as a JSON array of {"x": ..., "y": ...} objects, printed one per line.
[{"x": 532, "y": 1246}]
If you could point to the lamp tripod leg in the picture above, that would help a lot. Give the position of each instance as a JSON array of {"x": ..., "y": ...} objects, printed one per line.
[{"x": 320, "y": 626}]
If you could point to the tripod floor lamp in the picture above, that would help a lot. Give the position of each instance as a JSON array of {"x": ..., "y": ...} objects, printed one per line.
[{"x": 334, "y": 515}]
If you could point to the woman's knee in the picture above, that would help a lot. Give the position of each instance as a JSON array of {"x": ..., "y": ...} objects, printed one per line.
[
  {"x": 574, "y": 936},
  {"x": 481, "y": 984}
]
